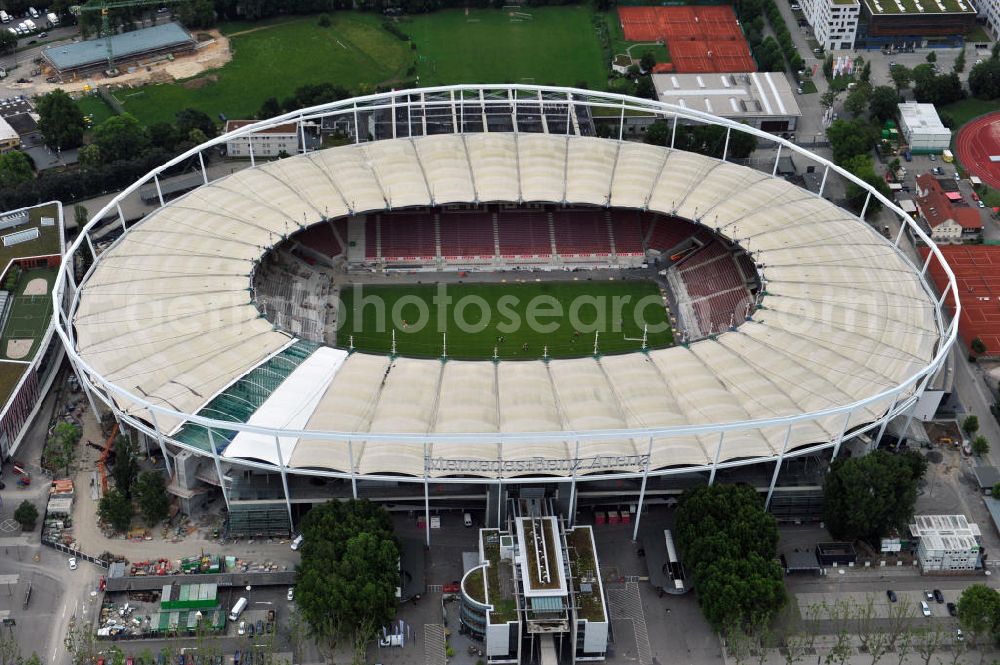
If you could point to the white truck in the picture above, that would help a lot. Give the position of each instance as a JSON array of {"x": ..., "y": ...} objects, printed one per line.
[
  {"x": 4, "y": 17},
  {"x": 53, "y": 18},
  {"x": 30, "y": 25},
  {"x": 32, "y": 12}
]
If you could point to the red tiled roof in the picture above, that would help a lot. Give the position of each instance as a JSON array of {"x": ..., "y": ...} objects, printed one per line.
[{"x": 937, "y": 208}]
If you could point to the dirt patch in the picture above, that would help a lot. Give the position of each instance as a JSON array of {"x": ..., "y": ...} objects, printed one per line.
[
  {"x": 199, "y": 83},
  {"x": 36, "y": 287},
  {"x": 18, "y": 348},
  {"x": 943, "y": 432}
]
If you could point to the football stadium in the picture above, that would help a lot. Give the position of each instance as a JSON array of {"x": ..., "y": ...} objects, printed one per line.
[{"x": 475, "y": 296}]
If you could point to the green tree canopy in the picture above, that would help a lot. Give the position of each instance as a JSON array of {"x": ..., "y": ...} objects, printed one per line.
[
  {"x": 984, "y": 79},
  {"x": 120, "y": 137},
  {"x": 857, "y": 99},
  {"x": 125, "y": 469},
  {"x": 115, "y": 510},
  {"x": 60, "y": 447},
  {"x": 728, "y": 541},
  {"x": 971, "y": 424},
  {"x": 901, "y": 76},
  {"x": 60, "y": 120},
  {"x": 8, "y": 41},
  {"x": 863, "y": 166},
  {"x": 883, "y": 103},
  {"x": 867, "y": 497},
  {"x": 189, "y": 119},
  {"x": 980, "y": 446},
  {"x": 151, "y": 493},
  {"x": 849, "y": 138},
  {"x": 346, "y": 582},
  {"x": 15, "y": 169},
  {"x": 978, "y": 346},
  {"x": 269, "y": 108},
  {"x": 979, "y": 611},
  {"x": 26, "y": 515},
  {"x": 647, "y": 61}
]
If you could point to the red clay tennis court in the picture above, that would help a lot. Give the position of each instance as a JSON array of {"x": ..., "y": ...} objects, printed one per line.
[
  {"x": 977, "y": 273},
  {"x": 977, "y": 141},
  {"x": 700, "y": 39}
]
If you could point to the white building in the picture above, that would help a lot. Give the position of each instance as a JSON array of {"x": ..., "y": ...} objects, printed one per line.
[
  {"x": 990, "y": 11},
  {"x": 946, "y": 543},
  {"x": 834, "y": 22},
  {"x": 9, "y": 140},
  {"x": 271, "y": 142},
  {"x": 764, "y": 100},
  {"x": 922, "y": 128}
]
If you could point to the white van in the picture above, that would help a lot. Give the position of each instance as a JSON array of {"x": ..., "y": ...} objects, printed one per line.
[
  {"x": 297, "y": 543},
  {"x": 467, "y": 519},
  {"x": 238, "y": 608},
  {"x": 33, "y": 12},
  {"x": 4, "y": 17}
]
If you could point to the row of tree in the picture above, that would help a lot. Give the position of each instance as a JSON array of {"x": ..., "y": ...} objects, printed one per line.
[
  {"x": 727, "y": 542},
  {"x": 709, "y": 140},
  {"x": 984, "y": 78},
  {"x": 147, "y": 489}
]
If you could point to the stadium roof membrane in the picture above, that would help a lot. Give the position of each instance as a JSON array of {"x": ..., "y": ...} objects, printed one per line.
[{"x": 166, "y": 314}]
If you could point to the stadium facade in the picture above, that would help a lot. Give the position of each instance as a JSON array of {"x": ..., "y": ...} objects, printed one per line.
[{"x": 166, "y": 329}]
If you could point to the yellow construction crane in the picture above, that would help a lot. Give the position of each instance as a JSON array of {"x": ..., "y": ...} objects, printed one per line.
[{"x": 104, "y": 7}]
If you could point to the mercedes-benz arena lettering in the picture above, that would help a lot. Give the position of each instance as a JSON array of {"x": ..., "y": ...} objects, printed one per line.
[{"x": 844, "y": 335}]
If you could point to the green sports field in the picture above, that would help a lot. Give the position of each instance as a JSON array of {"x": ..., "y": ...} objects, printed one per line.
[
  {"x": 542, "y": 45},
  {"x": 520, "y": 320},
  {"x": 29, "y": 315}
]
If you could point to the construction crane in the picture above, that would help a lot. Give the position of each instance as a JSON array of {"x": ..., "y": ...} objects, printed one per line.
[{"x": 104, "y": 7}]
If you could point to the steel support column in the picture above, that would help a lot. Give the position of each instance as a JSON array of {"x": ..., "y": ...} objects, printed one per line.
[
  {"x": 159, "y": 440},
  {"x": 777, "y": 468},
  {"x": 718, "y": 454},
  {"x": 822, "y": 184},
  {"x": 218, "y": 466},
  {"x": 204, "y": 171},
  {"x": 427, "y": 493},
  {"x": 777, "y": 156},
  {"x": 864, "y": 208},
  {"x": 354, "y": 475},
  {"x": 572, "y": 488},
  {"x": 725, "y": 146},
  {"x": 302, "y": 134},
  {"x": 621, "y": 126},
  {"x": 673, "y": 133},
  {"x": 253, "y": 162},
  {"x": 159, "y": 192},
  {"x": 843, "y": 431},
  {"x": 642, "y": 490},
  {"x": 284, "y": 482},
  {"x": 121, "y": 217}
]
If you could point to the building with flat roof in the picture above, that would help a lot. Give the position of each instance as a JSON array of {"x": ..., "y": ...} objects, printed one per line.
[
  {"x": 834, "y": 22},
  {"x": 947, "y": 222},
  {"x": 946, "y": 543},
  {"x": 92, "y": 54},
  {"x": 9, "y": 138},
  {"x": 922, "y": 128},
  {"x": 764, "y": 100},
  {"x": 538, "y": 581},
  {"x": 901, "y": 24}
]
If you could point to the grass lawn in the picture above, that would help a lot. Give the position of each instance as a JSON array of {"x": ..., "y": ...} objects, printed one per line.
[
  {"x": 536, "y": 314},
  {"x": 965, "y": 110},
  {"x": 46, "y": 243},
  {"x": 29, "y": 315},
  {"x": 93, "y": 105},
  {"x": 978, "y": 35},
  {"x": 275, "y": 58},
  {"x": 808, "y": 87},
  {"x": 10, "y": 374},
  {"x": 620, "y": 45},
  {"x": 556, "y": 45}
]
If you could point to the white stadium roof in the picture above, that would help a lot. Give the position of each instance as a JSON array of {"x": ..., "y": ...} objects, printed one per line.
[{"x": 166, "y": 314}]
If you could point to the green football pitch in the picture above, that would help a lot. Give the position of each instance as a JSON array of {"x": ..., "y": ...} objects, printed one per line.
[{"x": 519, "y": 321}]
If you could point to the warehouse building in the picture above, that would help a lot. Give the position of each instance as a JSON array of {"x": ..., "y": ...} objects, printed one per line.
[
  {"x": 9, "y": 138},
  {"x": 764, "y": 100},
  {"x": 946, "y": 543},
  {"x": 922, "y": 128},
  {"x": 911, "y": 24},
  {"x": 92, "y": 54}
]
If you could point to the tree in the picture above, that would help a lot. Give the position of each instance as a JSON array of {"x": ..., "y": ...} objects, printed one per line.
[
  {"x": 60, "y": 447},
  {"x": 658, "y": 133},
  {"x": 971, "y": 424},
  {"x": 984, "y": 79},
  {"x": 644, "y": 87},
  {"x": 939, "y": 90},
  {"x": 26, "y": 515},
  {"x": 959, "y": 65},
  {"x": 80, "y": 216},
  {"x": 269, "y": 108},
  {"x": 979, "y": 611},
  {"x": 867, "y": 497},
  {"x": 125, "y": 469},
  {"x": 164, "y": 135},
  {"x": 932, "y": 57},
  {"x": 346, "y": 582},
  {"x": 901, "y": 76},
  {"x": 60, "y": 120},
  {"x": 89, "y": 157},
  {"x": 120, "y": 137},
  {"x": 849, "y": 138},
  {"x": 883, "y": 103},
  {"x": 15, "y": 169},
  {"x": 857, "y": 99},
  {"x": 189, "y": 119},
  {"x": 115, "y": 510},
  {"x": 980, "y": 446},
  {"x": 866, "y": 72},
  {"x": 197, "y": 14},
  {"x": 978, "y": 346},
  {"x": 829, "y": 98},
  {"x": 728, "y": 544},
  {"x": 151, "y": 493},
  {"x": 647, "y": 62},
  {"x": 8, "y": 41},
  {"x": 863, "y": 166},
  {"x": 324, "y": 22}
]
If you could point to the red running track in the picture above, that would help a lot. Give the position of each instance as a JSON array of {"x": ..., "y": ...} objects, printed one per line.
[{"x": 976, "y": 141}]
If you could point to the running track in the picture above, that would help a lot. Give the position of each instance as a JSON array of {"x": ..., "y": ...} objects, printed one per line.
[{"x": 976, "y": 141}]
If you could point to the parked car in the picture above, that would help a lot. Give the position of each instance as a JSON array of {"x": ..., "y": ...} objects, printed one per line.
[
  {"x": 981, "y": 203},
  {"x": 72, "y": 563},
  {"x": 952, "y": 609},
  {"x": 933, "y": 157},
  {"x": 892, "y": 596},
  {"x": 925, "y": 609},
  {"x": 291, "y": 593},
  {"x": 242, "y": 630},
  {"x": 959, "y": 636},
  {"x": 938, "y": 596},
  {"x": 260, "y": 627}
]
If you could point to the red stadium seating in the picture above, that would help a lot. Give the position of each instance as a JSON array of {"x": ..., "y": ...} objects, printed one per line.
[
  {"x": 466, "y": 234},
  {"x": 371, "y": 239},
  {"x": 581, "y": 233},
  {"x": 408, "y": 237},
  {"x": 716, "y": 313},
  {"x": 627, "y": 228},
  {"x": 524, "y": 233}
]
